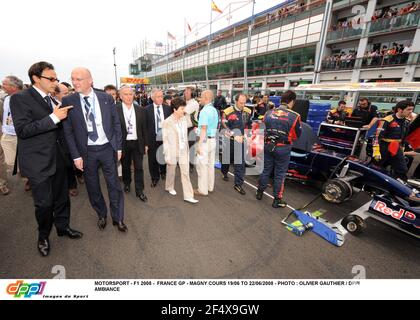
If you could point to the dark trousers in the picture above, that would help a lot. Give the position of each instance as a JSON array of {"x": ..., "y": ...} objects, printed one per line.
[
  {"x": 278, "y": 160},
  {"x": 155, "y": 168},
  {"x": 131, "y": 153},
  {"x": 233, "y": 152},
  {"x": 105, "y": 157},
  {"x": 51, "y": 200},
  {"x": 397, "y": 162},
  {"x": 72, "y": 173}
]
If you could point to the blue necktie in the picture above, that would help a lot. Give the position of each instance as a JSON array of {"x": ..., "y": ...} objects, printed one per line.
[{"x": 93, "y": 136}]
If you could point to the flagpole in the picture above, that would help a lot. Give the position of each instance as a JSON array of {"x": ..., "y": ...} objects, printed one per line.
[
  {"x": 208, "y": 47},
  {"x": 167, "y": 58},
  {"x": 115, "y": 67},
  {"x": 183, "y": 50},
  {"x": 248, "y": 47}
]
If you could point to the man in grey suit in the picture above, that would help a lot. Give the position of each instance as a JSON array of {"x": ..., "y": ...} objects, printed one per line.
[{"x": 94, "y": 138}]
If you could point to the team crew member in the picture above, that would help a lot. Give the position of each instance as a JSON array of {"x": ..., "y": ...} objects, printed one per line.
[
  {"x": 263, "y": 106},
  {"x": 235, "y": 120},
  {"x": 282, "y": 127},
  {"x": 338, "y": 115},
  {"x": 389, "y": 139},
  {"x": 367, "y": 112}
]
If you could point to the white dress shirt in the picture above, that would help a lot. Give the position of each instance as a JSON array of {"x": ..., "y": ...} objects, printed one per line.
[
  {"x": 96, "y": 110},
  {"x": 130, "y": 122},
  {"x": 192, "y": 106},
  {"x": 8, "y": 127}
]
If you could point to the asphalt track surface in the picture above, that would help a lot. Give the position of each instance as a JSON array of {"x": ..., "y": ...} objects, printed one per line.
[{"x": 226, "y": 235}]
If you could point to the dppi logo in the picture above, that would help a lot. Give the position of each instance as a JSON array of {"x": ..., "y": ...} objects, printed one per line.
[{"x": 27, "y": 290}]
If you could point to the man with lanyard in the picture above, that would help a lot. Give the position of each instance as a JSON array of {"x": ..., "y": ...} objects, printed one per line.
[
  {"x": 235, "y": 120},
  {"x": 389, "y": 139},
  {"x": 282, "y": 127}
]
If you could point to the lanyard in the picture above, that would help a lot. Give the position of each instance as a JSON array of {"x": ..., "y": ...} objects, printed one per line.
[
  {"x": 129, "y": 116},
  {"x": 91, "y": 108}
]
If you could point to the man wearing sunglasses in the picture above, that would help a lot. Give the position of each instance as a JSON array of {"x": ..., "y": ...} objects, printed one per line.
[{"x": 40, "y": 153}]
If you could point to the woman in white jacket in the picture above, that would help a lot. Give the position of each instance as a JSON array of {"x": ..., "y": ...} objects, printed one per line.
[{"x": 176, "y": 150}]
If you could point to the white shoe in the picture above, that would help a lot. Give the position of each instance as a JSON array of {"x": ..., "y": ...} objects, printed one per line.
[
  {"x": 192, "y": 200},
  {"x": 172, "y": 192}
]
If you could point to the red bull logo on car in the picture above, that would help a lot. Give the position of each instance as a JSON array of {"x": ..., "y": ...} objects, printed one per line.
[
  {"x": 20, "y": 289},
  {"x": 398, "y": 214}
]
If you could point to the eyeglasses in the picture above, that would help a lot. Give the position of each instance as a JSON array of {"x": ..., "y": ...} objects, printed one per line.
[{"x": 50, "y": 78}]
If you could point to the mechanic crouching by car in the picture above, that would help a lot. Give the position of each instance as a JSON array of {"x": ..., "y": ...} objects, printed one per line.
[
  {"x": 235, "y": 120},
  {"x": 282, "y": 127},
  {"x": 338, "y": 115},
  {"x": 388, "y": 145}
]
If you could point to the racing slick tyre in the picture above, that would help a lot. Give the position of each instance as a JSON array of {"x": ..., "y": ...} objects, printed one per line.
[
  {"x": 353, "y": 224},
  {"x": 337, "y": 191}
]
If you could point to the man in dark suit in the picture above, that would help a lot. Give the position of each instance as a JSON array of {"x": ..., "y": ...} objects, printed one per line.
[
  {"x": 155, "y": 114},
  {"x": 40, "y": 153},
  {"x": 93, "y": 135},
  {"x": 133, "y": 127}
]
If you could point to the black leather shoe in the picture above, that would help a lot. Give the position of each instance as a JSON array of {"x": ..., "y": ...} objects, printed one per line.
[
  {"x": 102, "y": 223},
  {"x": 154, "y": 183},
  {"x": 163, "y": 176},
  {"x": 68, "y": 232},
  {"x": 225, "y": 177},
  {"x": 239, "y": 189},
  {"x": 259, "y": 194},
  {"x": 127, "y": 189},
  {"x": 44, "y": 247},
  {"x": 279, "y": 203},
  {"x": 120, "y": 225},
  {"x": 142, "y": 197}
]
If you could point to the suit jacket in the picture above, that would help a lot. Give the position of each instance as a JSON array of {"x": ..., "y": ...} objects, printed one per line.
[
  {"x": 38, "y": 135},
  {"x": 75, "y": 128},
  {"x": 171, "y": 147},
  {"x": 151, "y": 125},
  {"x": 140, "y": 126}
]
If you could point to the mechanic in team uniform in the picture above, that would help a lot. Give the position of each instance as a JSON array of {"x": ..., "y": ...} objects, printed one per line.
[
  {"x": 235, "y": 120},
  {"x": 388, "y": 145},
  {"x": 262, "y": 107},
  {"x": 282, "y": 127},
  {"x": 339, "y": 114},
  {"x": 367, "y": 112}
]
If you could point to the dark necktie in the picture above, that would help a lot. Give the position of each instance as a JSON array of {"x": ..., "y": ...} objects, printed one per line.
[
  {"x": 48, "y": 101},
  {"x": 92, "y": 135},
  {"x": 158, "y": 119}
]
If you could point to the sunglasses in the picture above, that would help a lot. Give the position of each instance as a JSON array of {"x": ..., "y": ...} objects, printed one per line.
[{"x": 50, "y": 78}]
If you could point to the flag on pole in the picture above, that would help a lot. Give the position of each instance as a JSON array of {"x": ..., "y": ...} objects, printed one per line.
[
  {"x": 214, "y": 7},
  {"x": 189, "y": 27},
  {"x": 171, "y": 36}
]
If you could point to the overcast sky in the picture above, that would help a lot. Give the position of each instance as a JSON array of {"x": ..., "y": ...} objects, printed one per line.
[{"x": 75, "y": 33}]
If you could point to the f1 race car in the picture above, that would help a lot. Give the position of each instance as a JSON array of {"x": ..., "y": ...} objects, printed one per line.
[{"x": 393, "y": 200}]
